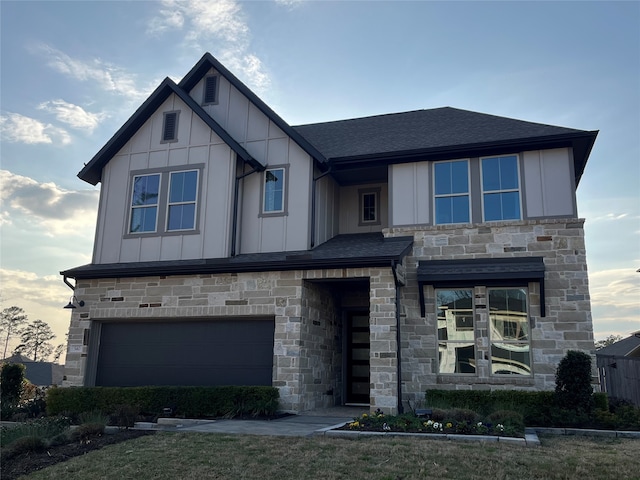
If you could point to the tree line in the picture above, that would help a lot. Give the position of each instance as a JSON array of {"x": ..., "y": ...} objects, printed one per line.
[{"x": 35, "y": 336}]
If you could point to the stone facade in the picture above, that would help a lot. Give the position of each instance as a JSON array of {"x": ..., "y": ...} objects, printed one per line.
[
  {"x": 307, "y": 307},
  {"x": 567, "y": 324},
  {"x": 307, "y": 361}
]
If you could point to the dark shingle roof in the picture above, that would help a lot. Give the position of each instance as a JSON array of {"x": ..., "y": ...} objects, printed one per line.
[
  {"x": 622, "y": 348},
  {"x": 437, "y": 131},
  {"x": 342, "y": 251}
]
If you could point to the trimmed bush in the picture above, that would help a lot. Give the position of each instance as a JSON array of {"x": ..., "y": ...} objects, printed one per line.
[
  {"x": 573, "y": 383},
  {"x": 194, "y": 402},
  {"x": 535, "y": 407},
  {"x": 508, "y": 418}
]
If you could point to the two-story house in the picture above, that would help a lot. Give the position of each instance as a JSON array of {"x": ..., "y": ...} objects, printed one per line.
[{"x": 359, "y": 261}]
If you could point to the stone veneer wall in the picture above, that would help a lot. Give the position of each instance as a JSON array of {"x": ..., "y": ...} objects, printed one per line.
[
  {"x": 567, "y": 325},
  {"x": 295, "y": 305}
]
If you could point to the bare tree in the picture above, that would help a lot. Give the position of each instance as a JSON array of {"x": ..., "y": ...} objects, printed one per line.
[
  {"x": 611, "y": 339},
  {"x": 58, "y": 351},
  {"x": 11, "y": 320},
  {"x": 35, "y": 339}
]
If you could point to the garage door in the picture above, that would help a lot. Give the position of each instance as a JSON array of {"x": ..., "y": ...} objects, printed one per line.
[{"x": 220, "y": 352}]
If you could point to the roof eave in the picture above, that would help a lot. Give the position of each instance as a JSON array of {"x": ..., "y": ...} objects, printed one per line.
[
  {"x": 581, "y": 141},
  {"x": 122, "y": 271},
  {"x": 209, "y": 61},
  {"x": 92, "y": 171}
]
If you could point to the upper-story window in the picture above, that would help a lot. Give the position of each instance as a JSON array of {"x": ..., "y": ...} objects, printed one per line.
[
  {"x": 144, "y": 203},
  {"x": 183, "y": 188},
  {"x": 451, "y": 187},
  {"x": 274, "y": 190},
  {"x": 369, "y": 206},
  {"x": 164, "y": 201},
  {"x": 210, "y": 93},
  {"x": 170, "y": 127},
  {"x": 500, "y": 188}
]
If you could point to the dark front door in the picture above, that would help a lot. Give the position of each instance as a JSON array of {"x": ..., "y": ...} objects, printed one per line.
[{"x": 358, "y": 358}]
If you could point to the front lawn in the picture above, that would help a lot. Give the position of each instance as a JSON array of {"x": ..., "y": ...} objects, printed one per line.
[{"x": 198, "y": 456}]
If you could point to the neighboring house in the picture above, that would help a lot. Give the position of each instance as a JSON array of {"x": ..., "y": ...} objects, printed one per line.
[
  {"x": 619, "y": 368},
  {"x": 43, "y": 374},
  {"x": 358, "y": 261}
]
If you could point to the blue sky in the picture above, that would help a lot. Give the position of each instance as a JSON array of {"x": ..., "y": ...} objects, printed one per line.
[{"x": 73, "y": 72}]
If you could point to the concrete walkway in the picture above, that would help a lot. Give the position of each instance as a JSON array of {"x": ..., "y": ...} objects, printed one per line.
[{"x": 289, "y": 426}]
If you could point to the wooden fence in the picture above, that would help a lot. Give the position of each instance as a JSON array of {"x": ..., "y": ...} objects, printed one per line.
[{"x": 620, "y": 377}]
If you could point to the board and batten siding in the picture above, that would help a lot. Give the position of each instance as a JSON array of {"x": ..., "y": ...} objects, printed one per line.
[
  {"x": 327, "y": 208},
  {"x": 547, "y": 188},
  {"x": 197, "y": 145},
  {"x": 267, "y": 143},
  {"x": 349, "y": 211},
  {"x": 549, "y": 183}
]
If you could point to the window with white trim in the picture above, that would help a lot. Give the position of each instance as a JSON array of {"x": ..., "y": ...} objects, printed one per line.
[
  {"x": 144, "y": 203},
  {"x": 500, "y": 188},
  {"x": 274, "y": 191},
  {"x": 456, "y": 333},
  {"x": 451, "y": 191},
  {"x": 183, "y": 189},
  {"x": 509, "y": 331}
]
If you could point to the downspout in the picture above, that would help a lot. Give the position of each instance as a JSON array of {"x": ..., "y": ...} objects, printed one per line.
[
  {"x": 234, "y": 227},
  {"x": 64, "y": 279},
  {"x": 313, "y": 206},
  {"x": 394, "y": 264}
]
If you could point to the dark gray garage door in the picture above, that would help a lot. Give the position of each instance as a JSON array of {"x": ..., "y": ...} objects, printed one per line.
[{"x": 220, "y": 352}]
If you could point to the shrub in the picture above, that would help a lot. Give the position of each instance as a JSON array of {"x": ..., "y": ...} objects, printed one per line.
[
  {"x": 47, "y": 427},
  {"x": 535, "y": 407},
  {"x": 194, "y": 402},
  {"x": 31, "y": 443},
  {"x": 507, "y": 418},
  {"x": 11, "y": 385},
  {"x": 463, "y": 415},
  {"x": 86, "y": 431},
  {"x": 124, "y": 416},
  {"x": 573, "y": 384}
]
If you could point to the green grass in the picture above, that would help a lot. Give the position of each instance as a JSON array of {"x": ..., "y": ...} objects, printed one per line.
[{"x": 203, "y": 456}]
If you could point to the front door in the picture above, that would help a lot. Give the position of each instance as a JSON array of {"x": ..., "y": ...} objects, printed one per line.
[{"x": 358, "y": 358}]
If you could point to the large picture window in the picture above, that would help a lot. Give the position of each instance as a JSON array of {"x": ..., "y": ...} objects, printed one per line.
[
  {"x": 500, "y": 188},
  {"x": 456, "y": 333},
  {"x": 144, "y": 203},
  {"x": 509, "y": 331},
  {"x": 451, "y": 187}
]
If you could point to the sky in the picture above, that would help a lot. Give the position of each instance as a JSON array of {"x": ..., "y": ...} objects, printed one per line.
[{"x": 72, "y": 73}]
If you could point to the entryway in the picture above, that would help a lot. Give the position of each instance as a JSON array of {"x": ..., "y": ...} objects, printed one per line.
[{"x": 357, "y": 353}]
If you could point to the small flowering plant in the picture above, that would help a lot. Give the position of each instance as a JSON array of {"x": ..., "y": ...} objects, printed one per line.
[{"x": 379, "y": 422}]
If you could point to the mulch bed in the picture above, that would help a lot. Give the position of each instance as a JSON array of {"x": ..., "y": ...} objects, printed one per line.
[{"x": 26, "y": 463}]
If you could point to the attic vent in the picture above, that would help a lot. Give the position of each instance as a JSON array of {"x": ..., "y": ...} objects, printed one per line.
[
  {"x": 170, "y": 127},
  {"x": 210, "y": 90}
]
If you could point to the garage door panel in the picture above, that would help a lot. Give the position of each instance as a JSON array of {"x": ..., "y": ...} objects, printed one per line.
[{"x": 220, "y": 352}]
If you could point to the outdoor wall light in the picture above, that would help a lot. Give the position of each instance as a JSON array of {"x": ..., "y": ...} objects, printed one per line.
[{"x": 71, "y": 303}]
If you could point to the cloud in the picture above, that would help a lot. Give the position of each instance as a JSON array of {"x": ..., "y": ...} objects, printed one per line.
[
  {"x": 615, "y": 300},
  {"x": 221, "y": 22},
  {"x": 73, "y": 115},
  {"x": 41, "y": 297},
  {"x": 16, "y": 128},
  {"x": 108, "y": 76},
  {"x": 56, "y": 210}
]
